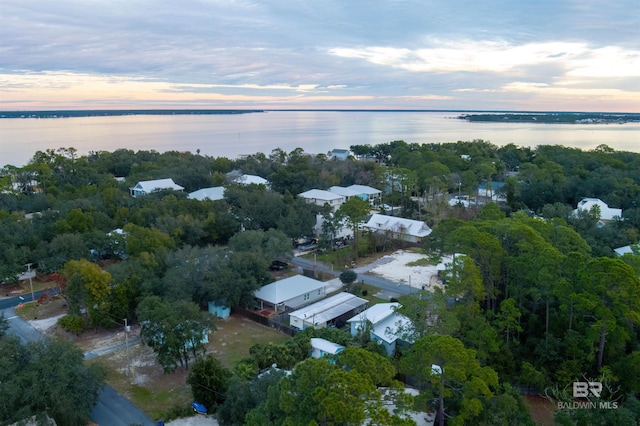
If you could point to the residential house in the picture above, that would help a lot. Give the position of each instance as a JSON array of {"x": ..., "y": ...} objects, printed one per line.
[
  {"x": 322, "y": 347},
  {"x": 606, "y": 212},
  {"x": 400, "y": 228},
  {"x": 387, "y": 325},
  {"x": 327, "y": 311},
  {"x": 251, "y": 180},
  {"x": 290, "y": 293},
  {"x": 344, "y": 192},
  {"x": 491, "y": 191},
  {"x": 320, "y": 197},
  {"x": 339, "y": 154},
  {"x": 621, "y": 251},
  {"x": 214, "y": 193},
  {"x": 148, "y": 186},
  {"x": 367, "y": 193}
]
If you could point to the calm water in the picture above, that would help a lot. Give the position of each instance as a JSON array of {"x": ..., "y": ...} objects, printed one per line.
[{"x": 315, "y": 132}]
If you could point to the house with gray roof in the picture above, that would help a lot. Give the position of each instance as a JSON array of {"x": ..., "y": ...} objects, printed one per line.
[
  {"x": 290, "y": 293},
  {"x": 400, "y": 228},
  {"x": 327, "y": 311},
  {"x": 214, "y": 193}
]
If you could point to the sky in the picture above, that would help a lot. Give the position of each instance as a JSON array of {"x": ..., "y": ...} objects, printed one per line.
[{"x": 522, "y": 55}]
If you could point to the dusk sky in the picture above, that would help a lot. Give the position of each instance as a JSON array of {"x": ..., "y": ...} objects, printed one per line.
[{"x": 559, "y": 55}]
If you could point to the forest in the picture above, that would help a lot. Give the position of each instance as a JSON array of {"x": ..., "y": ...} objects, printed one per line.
[{"x": 539, "y": 300}]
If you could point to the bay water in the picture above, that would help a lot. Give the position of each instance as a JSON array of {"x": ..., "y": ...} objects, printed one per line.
[{"x": 314, "y": 131}]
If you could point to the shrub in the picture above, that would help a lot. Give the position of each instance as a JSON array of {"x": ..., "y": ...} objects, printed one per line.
[
  {"x": 72, "y": 323},
  {"x": 348, "y": 277}
]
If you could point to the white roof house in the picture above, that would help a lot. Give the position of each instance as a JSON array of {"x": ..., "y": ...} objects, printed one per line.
[
  {"x": 320, "y": 197},
  {"x": 340, "y": 154},
  {"x": 148, "y": 186},
  {"x": 388, "y": 325},
  {"x": 320, "y": 313},
  {"x": 367, "y": 193},
  {"x": 621, "y": 251},
  {"x": 251, "y": 180},
  {"x": 322, "y": 347},
  {"x": 291, "y": 292},
  {"x": 213, "y": 194},
  {"x": 606, "y": 212},
  {"x": 344, "y": 192},
  {"x": 401, "y": 228}
]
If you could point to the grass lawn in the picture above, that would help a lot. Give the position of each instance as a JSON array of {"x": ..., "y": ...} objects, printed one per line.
[
  {"x": 148, "y": 388},
  {"x": 371, "y": 291},
  {"x": 235, "y": 336},
  {"x": 155, "y": 392}
]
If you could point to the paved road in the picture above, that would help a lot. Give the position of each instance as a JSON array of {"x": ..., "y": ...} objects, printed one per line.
[
  {"x": 381, "y": 283},
  {"x": 112, "y": 408},
  {"x": 10, "y": 302}
]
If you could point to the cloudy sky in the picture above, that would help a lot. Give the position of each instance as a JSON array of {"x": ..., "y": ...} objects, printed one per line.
[{"x": 561, "y": 55}]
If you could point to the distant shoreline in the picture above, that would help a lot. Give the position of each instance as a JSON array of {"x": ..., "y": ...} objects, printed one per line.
[
  {"x": 120, "y": 112},
  {"x": 562, "y": 117}
]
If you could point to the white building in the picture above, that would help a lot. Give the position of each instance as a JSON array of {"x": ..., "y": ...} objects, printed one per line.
[
  {"x": 292, "y": 292},
  {"x": 322, "y": 347},
  {"x": 340, "y": 154},
  {"x": 214, "y": 193},
  {"x": 367, "y": 193},
  {"x": 148, "y": 186},
  {"x": 606, "y": 212},
  {"x": 344, "y": 192},
  {"x": 322, "y": 313},
  {"x": 251, "y": 180},
  {"x": 386, "y": 324},
  {"x": 320, "y": 197},
  {"x": 621, "y": 251},
  {"x": 400, "y": 228}
]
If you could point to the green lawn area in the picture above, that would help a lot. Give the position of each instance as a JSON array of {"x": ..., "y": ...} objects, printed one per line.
[
  {"x": 235, "y": 336},
  {"x": 155, "y": 392},
  {"x": 370, "y": 290}
]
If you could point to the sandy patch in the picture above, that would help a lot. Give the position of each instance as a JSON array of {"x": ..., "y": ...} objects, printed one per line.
[
  {"x": 194, "y": 421},
  {"x": 394, "y": 267},
  {"x": 44, "y": 325}
]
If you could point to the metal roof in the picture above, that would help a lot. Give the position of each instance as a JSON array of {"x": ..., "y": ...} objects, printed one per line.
[
  {"x": 329, "y": 308},
  {"x": 289, "y": 288}
]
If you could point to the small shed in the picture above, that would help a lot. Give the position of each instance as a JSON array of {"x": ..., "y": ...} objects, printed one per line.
[
  {"x": 322, "y": 347},
  {"x": 220, "y": 311}
]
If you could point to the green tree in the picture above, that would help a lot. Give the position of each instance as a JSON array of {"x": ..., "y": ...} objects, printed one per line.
[
  {"x": 354, "y": 210},
  {"x": 88, "y": 288},
  {"x": 175, "y": 331},
  {"x": 458, "y": 374},
  {"x": 4, "y": 325},
  {"x": 47, "y": 377},
  {"x": 209, "y": 380},
  {"x": 612, "y": 299}
]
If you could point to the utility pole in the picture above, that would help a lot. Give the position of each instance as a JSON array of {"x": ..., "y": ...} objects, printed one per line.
[
  {"x": 126, "y": 343},
  {"x": 33, "y": 299}
]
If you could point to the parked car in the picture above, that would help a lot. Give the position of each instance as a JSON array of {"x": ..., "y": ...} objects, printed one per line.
[{"x": 278, "y": 265}]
